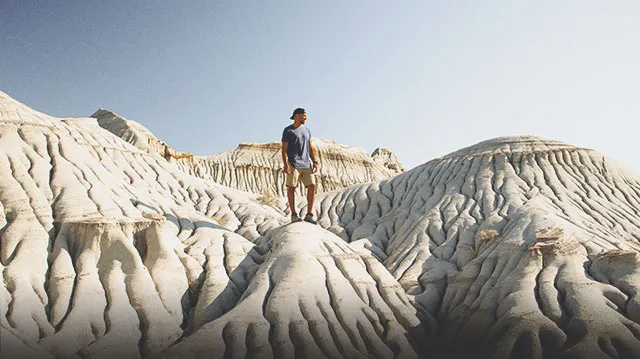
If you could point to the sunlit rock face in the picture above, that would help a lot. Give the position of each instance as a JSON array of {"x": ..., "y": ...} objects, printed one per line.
[
  {"x": 511, "y": 245},
  {"x": 257, "y": 167},
  {"x": 516, "y": 247}
]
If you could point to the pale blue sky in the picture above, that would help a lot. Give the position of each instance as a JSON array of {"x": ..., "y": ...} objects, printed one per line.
[{"x": 423, "y": 78}]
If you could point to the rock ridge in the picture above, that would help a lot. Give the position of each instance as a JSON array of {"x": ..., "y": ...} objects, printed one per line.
[{"x": 257, "y": 167}]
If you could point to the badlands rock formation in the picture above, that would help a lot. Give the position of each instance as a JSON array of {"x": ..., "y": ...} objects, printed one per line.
[
  {"x": 256, "y": 167},
  {"x": 511, "y": 248}
]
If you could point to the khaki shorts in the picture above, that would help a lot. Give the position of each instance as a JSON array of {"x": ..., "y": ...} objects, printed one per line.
[{"x": 305, "y": 175}]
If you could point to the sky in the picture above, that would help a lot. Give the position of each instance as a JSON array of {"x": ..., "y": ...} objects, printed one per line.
[{"x": 422, "y": 78}]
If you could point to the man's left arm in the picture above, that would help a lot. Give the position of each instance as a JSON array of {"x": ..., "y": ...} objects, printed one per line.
[{"x": 312, "y": 153}]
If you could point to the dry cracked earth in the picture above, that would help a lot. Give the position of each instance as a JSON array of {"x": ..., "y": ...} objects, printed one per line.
[{"x": 515, "y": 247}]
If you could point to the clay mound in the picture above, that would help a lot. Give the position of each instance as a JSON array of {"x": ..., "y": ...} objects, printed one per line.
[
  {"x": 313, "y": 297},
  {"x": 102, "y": 243},
  {"x": 132, "y": 132},
  {"x": 257, "y": 167},
  {"x": 505, "y": 243}
]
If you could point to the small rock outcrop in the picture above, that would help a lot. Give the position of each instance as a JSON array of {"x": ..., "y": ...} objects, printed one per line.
[{"x": 388, "y": 159}]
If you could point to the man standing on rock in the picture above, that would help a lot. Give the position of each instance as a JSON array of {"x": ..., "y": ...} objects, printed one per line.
[{"x": 299, "y": 160}]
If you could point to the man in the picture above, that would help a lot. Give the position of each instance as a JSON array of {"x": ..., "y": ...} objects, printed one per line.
[{"x": 299, "y": 160}]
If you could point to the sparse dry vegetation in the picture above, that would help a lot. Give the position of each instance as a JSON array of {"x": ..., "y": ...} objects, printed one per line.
[
  {"x": 268, "y": 197},
  {"x": 487, "y": 235},
  {"x": 550, "y": 234},
  {"x": 222, "y": 220}
]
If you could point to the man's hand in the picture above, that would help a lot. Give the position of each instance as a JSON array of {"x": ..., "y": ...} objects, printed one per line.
[
  {"x": 315, "y": 167},
  {"x": 286, "y": 169}
]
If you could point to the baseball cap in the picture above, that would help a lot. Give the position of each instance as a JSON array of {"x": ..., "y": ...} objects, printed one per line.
[{"x": 297, "y": 111}]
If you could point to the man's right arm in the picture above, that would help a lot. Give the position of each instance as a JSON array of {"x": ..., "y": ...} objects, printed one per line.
[{"x": 285, "y": 159}]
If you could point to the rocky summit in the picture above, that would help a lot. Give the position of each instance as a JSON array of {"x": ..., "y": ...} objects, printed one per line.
[{"x": 516, "y": 247}]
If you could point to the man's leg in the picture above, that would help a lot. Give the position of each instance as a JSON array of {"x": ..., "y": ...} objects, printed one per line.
[
  {"x": 291, "y": 195},
  {"x": 309, "y": 181},
  {"x": 311, "y": 197},
  {"x": 292, "y": 184}
]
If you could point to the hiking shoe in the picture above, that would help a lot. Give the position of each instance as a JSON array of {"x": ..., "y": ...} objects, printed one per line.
[
  {"x": 309, "y": 218},
  {"x": 295, "y": 218}
]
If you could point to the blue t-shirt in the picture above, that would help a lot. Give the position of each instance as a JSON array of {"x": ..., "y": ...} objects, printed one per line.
[{"x": 298, "y": 145}]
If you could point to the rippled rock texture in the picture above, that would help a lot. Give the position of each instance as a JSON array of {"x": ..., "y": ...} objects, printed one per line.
[
  {"x": 512, "y": 248},
  {"x": 257, "y": 168}
]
